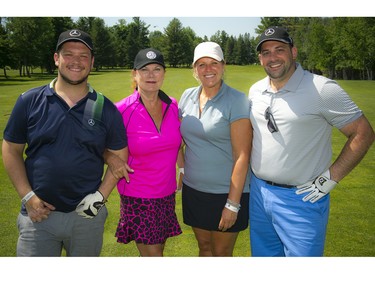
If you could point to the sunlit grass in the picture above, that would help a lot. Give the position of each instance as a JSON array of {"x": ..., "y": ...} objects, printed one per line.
[{"x": 351, "y": 228}]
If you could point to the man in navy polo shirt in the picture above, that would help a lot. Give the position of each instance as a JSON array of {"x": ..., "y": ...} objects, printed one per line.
[{"x": 65, "y": 126}]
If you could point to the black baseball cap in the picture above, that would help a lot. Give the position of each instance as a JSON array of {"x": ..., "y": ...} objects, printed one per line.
[
  {"x": 75, "y": 35},
  {"x": 274, "y": 33},
  {"x": 148, "y": 56}
]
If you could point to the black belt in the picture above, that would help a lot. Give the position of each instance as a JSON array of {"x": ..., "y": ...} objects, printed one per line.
[{"x": 279, "y": 184}]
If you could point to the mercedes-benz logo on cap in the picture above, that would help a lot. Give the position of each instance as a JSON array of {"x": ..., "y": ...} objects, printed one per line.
[
  {"x": 269, "y": 32},
  {"x": 75, "y": 33},
  {"x": 151, "y": 55}
]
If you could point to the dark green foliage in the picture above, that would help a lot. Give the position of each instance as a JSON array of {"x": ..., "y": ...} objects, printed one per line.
[{"x": 337, "y": 47}]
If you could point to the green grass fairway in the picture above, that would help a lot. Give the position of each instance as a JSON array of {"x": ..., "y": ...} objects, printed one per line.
[{"x": 351, "y": 229}]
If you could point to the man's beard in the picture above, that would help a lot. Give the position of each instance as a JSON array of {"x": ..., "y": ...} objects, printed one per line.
[
  {"x": 277, "y": 75},
  {"x": 71, "y": 82}
]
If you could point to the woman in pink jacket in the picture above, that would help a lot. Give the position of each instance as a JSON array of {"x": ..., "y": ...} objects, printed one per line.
[{"x": 147, "y": 210}]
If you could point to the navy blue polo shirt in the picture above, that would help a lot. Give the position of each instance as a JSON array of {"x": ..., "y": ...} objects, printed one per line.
[{"x": 65, "y": 146}]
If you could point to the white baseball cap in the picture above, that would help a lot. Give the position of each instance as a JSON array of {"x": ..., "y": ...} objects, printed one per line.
[{"x": 208, "y": 49}]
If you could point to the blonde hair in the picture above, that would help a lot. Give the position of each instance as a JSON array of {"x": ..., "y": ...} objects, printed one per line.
[{"x": 133, "y": 84}]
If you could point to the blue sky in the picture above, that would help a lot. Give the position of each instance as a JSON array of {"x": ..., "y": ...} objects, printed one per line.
[
  {"x": 204, "y": 17},
  {"x": 190, "y": 8},
  {"x": 201, "y": 25}
]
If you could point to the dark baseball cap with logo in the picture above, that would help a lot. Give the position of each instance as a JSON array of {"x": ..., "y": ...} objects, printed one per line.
[
  {"x": 75, "y": 35},
  {"x": 274, "y": 33},
  {"x": 148, "y": 56}
]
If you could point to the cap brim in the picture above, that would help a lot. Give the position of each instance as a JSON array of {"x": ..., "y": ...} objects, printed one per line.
[
  {"x": 150, "y": 62},
  {"x": 72, "y": 39},
  {"x": 272, "y": 39},
  {"x": 215, "y": 57}
]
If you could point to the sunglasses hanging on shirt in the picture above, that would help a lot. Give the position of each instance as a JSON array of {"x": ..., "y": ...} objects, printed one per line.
[{"x": 271, "y": 125}]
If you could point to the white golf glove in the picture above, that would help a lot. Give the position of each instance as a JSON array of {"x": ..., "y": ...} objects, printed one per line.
[
  {"x": 90, "y": 205},
  {"x": 318, "y": 188}
]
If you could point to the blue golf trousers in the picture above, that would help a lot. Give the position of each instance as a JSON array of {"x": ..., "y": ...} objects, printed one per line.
[{"x": 281, "y": 224}]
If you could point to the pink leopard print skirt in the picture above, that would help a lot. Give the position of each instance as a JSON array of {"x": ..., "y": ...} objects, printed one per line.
[{"x": 147, "y": 221}]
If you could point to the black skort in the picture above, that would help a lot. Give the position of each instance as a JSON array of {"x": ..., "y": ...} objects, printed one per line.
[{"x": 203, "y": 210}]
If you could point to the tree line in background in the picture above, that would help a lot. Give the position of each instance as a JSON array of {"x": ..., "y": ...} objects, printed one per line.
[{"x": 338, "y": 47}]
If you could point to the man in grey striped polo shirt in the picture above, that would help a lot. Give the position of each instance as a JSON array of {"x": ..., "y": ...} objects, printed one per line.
[{"x": 293, "y": 112}]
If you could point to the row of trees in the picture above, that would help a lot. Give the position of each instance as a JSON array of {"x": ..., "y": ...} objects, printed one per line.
[
  {"x": 29, "y": 42},
  {"x": 340, "y": 48},
  {"x": 336, "y": 47}
]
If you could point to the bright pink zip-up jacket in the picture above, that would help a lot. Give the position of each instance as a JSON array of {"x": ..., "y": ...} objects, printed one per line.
[{"x": 152, "y": 153}]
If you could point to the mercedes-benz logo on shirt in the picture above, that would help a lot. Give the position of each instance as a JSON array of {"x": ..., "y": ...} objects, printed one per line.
[{"x": 91, "y": 122}]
